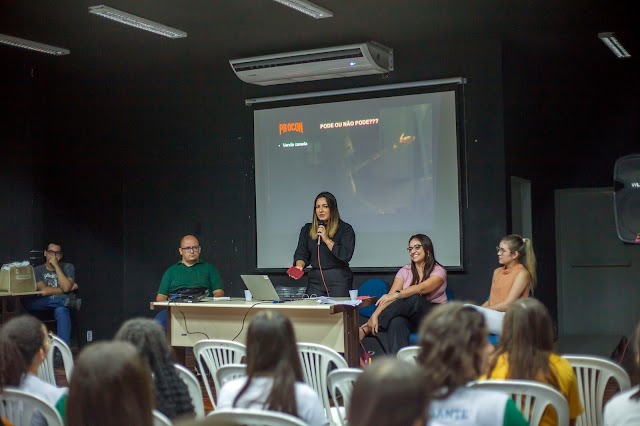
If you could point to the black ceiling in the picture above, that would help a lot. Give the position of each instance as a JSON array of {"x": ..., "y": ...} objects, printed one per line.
[{"x": 219, "y": 30}]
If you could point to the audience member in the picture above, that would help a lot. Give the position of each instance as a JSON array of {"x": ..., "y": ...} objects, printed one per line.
[
  {"x": 389, "y": 380},
  {"x": 525, "y": 352},
  {"x": 416, "y": 288},
  {"x": 171, "y": 393},
  {"x": 189, "y": 272},
  {"x": 24, "y": 343},
  {"x": 454, "y": 351},
  {"x": 55, "y": 280},
  {"x": 274, "y": 374},
  {"x": 624, "y": 408},
  {"x": 111, "y": 385}
]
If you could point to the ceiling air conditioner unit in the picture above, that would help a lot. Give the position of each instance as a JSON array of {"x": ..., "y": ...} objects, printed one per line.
[{"x": 317, "y": 64}]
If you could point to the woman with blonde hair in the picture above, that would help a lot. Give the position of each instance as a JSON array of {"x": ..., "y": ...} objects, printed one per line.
[
  {"x": 525, "y": 352},
  {"x": 513, "y": 279}
]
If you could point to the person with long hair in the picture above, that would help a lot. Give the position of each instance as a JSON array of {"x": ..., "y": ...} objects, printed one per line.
[
  {"x": 387, "y": 380},
  {"x": 525, "y": 352},
  {"x": 327, "y": 244},
  {"x": 624, "y": 408},
  {"x": 513, "y": 279},
  {"x": 110, "y": 385},
  {"x": 416, "y": 288},
  {"x": 24, "y": 344},
  {"x": 453, "y": 352},
  {"x": 274, "y": 378},
  {"x": 171, "y": 393}
]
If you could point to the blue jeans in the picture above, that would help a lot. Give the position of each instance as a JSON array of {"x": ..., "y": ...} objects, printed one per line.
[
  {"x": 163, "y": 319},
  {"x": 60, "y": 313}
]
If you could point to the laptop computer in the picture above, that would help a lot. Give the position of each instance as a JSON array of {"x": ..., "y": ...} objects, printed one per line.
[{"x": 262, "y": 289}]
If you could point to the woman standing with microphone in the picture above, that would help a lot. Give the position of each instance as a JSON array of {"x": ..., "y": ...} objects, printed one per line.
[{"x": 327, "y": 244}]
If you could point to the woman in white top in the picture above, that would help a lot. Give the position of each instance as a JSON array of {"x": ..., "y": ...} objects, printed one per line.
[
  {"x": 624, "y": 409},
  {"x": 24, "y": 344},
  {"x": 454, "y": 351},
  {"x": 274, "y": 375}
]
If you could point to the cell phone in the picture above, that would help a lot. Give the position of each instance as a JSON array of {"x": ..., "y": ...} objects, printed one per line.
[{"x": 295, "y": 273}]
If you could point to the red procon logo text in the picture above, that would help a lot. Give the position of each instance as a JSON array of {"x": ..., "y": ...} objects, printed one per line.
[{"x": 291, "y": 127}]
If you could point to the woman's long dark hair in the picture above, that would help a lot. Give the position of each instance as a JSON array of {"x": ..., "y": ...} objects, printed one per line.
[
  {"x": 452, "y": 339},
  {"x": 430, "y": 258},
  {"x": 20, "y": 340},
  {"x": 527, "y": 342},
  {"x": 334, "y": 216},
  {"x": 172, "y": 394},
  {"x": 272, "y": 351},
  {"x": 111, "y": 385}
]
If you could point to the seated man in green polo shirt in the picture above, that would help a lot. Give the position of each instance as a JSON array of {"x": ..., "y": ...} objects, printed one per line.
[{"x": 189, "y": 272}]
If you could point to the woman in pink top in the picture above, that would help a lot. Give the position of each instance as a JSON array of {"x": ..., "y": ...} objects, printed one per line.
[{"x": 415, "y": 289}]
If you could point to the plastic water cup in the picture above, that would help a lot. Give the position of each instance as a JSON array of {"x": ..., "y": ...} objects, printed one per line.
[
  {"x": 353, "y": 294},
  {"x": 247, "y": 295}
]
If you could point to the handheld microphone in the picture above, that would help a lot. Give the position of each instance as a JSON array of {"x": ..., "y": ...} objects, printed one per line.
[{"x": 320, "y": 223}]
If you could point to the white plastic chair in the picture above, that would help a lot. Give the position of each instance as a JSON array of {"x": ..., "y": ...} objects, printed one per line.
[
  {"x": 229, "y": 372},
  {"x": 409, "y": 354},
  {"x": 530, "y": 397},
  {"x": 593, "y": 374},
  {"x": 160, "y": 419},
  {"x": 20, "y": 408},
  {"x": 46, "y": 371},
  {"x": 214, "y": 354},
  {"x": 245, "y": 417},
  {"x": 317, "y": 361},
  {"x": 341, "y": 383},
  {"x": 195, "y": 391}
]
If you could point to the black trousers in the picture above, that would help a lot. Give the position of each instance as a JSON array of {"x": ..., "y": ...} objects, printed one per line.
[
  {"x": 339, "y": 281},
  {"x": 401, "y": 318}
]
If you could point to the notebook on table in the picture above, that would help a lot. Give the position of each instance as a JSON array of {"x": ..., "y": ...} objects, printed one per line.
[{"x": 262, "y": 289}]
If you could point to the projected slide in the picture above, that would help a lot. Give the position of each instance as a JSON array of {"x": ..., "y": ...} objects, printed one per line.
[{"x": 391, "y": 163}]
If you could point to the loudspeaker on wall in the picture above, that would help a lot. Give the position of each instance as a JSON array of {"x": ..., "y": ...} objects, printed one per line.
[{"x": 626, "y": 198}]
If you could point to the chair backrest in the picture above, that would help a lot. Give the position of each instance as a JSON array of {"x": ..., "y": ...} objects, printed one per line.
[
  {"x": 374, "y": 287},
  {"x": 530, "y": 397},
  {"x": 409, "y": 353},
  {"x": 213, "y": 354},
  {"x": 245, "y": 417},
  {"x": 229, "y": 372},
  {"x": 317, "y": 361},
  {"x": 160, "y": 419},
  {"x": 593, "y": 374},
  {"x": 46, "y": 370},
  {"x": 340, "y": 382},
  {"x": 195, "y": 391},
  {"x": 20, "y": 408}
]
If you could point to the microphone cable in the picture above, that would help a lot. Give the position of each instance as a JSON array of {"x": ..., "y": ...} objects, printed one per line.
[{"x": 322, "y": 273}]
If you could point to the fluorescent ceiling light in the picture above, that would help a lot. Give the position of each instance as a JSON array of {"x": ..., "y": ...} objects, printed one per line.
[
  {"x": 32, "y": 45},
  {"x": 307, "y": 8},
  {"x": 612, "y": 43},
  {"x": 135, "y": 21}
]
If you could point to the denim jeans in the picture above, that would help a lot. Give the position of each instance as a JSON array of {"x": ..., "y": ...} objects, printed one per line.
[
  {"x": 162, "y": 318},
  {"x": 60, "y": 313}
]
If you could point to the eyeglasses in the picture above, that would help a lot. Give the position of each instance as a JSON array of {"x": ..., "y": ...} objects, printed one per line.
[
  {"x": 53, "y": 252},
  {"x": 191, "y": 249},
  {"x": 500, "y": 250},
  {"x": 416, "y": 248}
]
